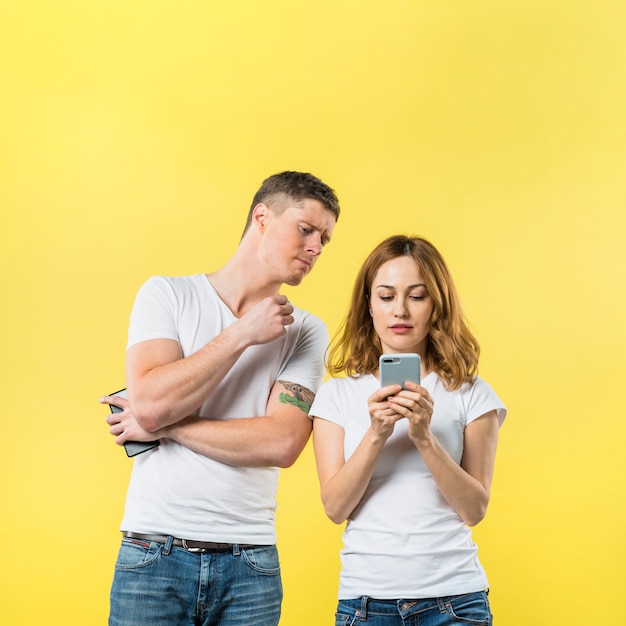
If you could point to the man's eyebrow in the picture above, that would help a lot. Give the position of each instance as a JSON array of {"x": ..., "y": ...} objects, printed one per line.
[{"x": 323, "y": 232}]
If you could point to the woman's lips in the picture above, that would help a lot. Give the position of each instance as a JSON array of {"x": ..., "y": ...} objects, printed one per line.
[{"x": 401, "y": 329}]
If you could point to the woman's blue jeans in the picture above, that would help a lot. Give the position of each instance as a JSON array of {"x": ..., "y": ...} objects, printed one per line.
[
  {"x": 471, "y": 608},
  {"x": 158, "y": 584}
]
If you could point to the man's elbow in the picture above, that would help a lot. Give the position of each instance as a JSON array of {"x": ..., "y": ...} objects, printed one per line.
[
  {"x": 288, "y": 454},
  {"x": 148, "y": 416},
  {"x": 289, "y": 446},
  {"x": 148, "y": 424}
]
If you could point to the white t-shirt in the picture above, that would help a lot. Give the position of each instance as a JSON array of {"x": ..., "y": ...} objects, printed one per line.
[
  {"x": 176, "y": 491},
  {"x": 404, "y": 540}
]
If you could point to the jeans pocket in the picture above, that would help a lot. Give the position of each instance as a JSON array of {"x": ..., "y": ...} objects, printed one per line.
[
  {"x": 263, "y": 560},
  {"x": 343, "y": 619},
  {"x": 347, "y": 615},
  {"x": 135, "y": 555},
  {"x": 471, "y": 608}
]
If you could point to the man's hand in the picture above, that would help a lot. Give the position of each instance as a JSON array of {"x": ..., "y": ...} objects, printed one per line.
[
  {"x": 123, "y": 424},
  {"x": 266, "y": 320}
]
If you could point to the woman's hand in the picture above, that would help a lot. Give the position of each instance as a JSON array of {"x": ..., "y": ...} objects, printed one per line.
[
  {"x": 416, "y": 404},
  {"x": 383, "y": 413}
]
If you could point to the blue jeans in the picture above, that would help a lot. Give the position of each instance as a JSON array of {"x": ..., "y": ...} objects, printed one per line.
[
  {"x": 158, "y": 584},
  {"x": 470, "y": 608}
]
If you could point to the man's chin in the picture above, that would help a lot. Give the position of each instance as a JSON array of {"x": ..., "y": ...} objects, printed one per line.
[{"x": 295, "y": 279}]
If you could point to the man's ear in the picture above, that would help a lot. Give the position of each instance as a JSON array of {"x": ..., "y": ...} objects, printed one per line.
[{"x": 260, "y": 215}]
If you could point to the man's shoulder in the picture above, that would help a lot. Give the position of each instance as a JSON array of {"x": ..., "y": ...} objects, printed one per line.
[
  {"x": 304, "y": 314},
  {"x": 189, "y": 279},
  {"x": 306, "y": 320},
  {"x": 191, "y": 282}
]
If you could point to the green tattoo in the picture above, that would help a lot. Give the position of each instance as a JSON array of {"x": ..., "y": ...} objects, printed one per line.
[{"x": 299, "y": 396}]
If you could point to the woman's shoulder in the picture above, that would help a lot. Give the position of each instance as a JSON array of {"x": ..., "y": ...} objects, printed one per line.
[
  {"x": 349, "y": 381},
  {"x": 342, "y": 385},
  {"x": 338, "y": 396},
  {"x": 480, "y": 396}
]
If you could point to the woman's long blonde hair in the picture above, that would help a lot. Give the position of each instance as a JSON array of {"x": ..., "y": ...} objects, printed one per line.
[{"x": 452, "y": 351}]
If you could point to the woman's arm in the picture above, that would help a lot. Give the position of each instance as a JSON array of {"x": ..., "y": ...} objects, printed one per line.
[
  {"x": 343, "y": 483},
  {"x": 465, "y": 487}
]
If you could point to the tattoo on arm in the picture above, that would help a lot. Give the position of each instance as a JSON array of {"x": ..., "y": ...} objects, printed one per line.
[{"x": 298, "y": 396}]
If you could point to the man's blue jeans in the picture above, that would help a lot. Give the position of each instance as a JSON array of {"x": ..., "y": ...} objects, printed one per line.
[
  {"x": 158, "y": 584},
  {"x": 470, "y": 609}
]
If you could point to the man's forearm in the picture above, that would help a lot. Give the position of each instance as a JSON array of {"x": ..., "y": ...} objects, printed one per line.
[
  {"x": 163, "y": 394},
  {"x": 265, "y": 441}
]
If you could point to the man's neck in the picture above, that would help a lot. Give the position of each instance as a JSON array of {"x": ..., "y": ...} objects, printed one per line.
[{"x": 241, "y": 283}]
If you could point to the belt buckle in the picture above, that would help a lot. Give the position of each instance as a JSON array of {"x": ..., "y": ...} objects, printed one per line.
[{"x": 189, "y": 549}]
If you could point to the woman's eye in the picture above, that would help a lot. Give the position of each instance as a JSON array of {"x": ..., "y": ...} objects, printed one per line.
[{"x": 386, "y": 298}]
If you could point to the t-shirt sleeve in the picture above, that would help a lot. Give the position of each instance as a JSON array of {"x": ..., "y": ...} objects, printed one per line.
[
  {"x": 325, "y": 404},
  {"x": 305, "y": 365},
  {"x": 481, "y": 399},
  {"x": 154, "y": 312}
]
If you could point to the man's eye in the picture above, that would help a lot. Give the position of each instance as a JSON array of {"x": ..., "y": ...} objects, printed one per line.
[{"x": 305, "y": 230}]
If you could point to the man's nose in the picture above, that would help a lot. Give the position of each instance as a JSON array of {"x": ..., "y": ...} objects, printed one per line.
[{"x": 315, "y": 245}]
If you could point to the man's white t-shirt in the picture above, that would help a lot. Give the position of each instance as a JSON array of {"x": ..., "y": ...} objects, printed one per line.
[
  {"x": 178, "y": 492},
  {"x": 404, "y": 540}
]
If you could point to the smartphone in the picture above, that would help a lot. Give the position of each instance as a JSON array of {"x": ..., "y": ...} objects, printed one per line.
[
  {"x": 133, "y": 448},
  {"x": 396, "y": 369}
]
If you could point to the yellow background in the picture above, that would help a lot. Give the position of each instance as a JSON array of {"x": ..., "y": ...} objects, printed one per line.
[{"x": 132, "y": 137}]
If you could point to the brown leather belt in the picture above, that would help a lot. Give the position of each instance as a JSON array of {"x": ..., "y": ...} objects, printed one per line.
[{"x": 190, "y": 544}]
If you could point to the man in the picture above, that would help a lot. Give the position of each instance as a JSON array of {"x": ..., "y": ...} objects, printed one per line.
[{"x": 222, "y": 369}]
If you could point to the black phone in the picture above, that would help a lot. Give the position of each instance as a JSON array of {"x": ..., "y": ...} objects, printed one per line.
[
  {"x": 396, "y": 369},
  {"x": 133, "y": 448}
]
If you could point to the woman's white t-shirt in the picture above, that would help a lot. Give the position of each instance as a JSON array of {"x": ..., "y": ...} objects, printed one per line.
[{"x": 404, "y": 540}]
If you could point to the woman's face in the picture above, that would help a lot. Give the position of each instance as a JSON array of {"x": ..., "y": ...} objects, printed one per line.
[{"x": 401, "y": 306}]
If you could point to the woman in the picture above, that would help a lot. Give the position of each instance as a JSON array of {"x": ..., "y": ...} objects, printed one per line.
[{"x": 408, "y": 469}]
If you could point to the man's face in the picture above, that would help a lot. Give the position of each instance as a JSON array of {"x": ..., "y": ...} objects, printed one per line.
[{"x": 294, "y": 239}]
